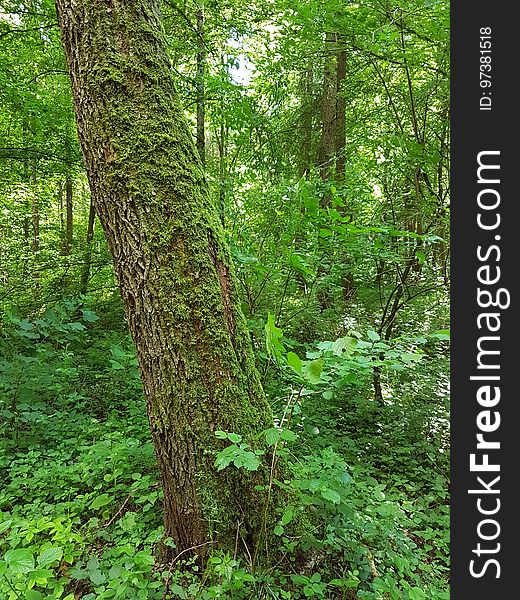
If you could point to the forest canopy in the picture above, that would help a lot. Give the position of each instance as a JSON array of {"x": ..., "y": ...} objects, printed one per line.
[{"x": 224, "y": 299}]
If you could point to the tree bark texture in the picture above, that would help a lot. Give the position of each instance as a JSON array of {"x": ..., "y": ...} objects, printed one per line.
[
  {"x": 333, "y": 111},
  {"x": 172, "y": 265}
]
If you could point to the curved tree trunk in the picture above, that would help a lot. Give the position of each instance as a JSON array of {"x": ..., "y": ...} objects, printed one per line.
[{"x": 172, "y": 264}]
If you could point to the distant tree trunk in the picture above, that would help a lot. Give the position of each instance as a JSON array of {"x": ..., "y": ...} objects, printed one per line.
[
  {"x": 333, "y": 114},
  {"x": 28, "y": 203},
  {"x": 331, "y": 154},
  {"x": 340, "y": 137},
  {"x": 305, "y": 155},
  {"x": 35, "y": 211},
  {"x": 85, "y": 272},
  {"x": 63, "y": 231},
  {"x": 348, "y": 284},
  {"x": 201, "y": 101},
  {"x": 328, "y": 109},
  {"x": 68, "y": 207},
  {"x": 173, "y": 267},
  {"x": 68, "y": 198}
]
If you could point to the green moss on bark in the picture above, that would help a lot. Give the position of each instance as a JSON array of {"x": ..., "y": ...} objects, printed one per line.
[{"x": 173, "y": 267}]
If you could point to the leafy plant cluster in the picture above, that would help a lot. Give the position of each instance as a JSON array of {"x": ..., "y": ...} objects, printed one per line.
[{"x": 80, "y": 508}]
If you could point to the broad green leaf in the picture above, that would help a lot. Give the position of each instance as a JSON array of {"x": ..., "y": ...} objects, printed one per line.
[
  {"x": 373, "y": 335},
  {"x": 49, "y": 555},
  {"x": 249, "y": 461},
  {"x": 288, "y": 435},
  {"x": 312, "y": 370},
  {"x": 331, "y": 495},
  {"x": 344, "y": 346},
  {"x": 97, "y": 577},
  {"x": 272, "y": 338},
  {"x": 288, "y": 515},
  {"x": 421, "y": 257},
  {"x": 20, "y": 560},
  {"x": 101, "y": 500},
  {"x": 294, "y": 361},
  {"x": 177, "y": 591},
  {"x": 416, "y": 594},
  {"x": 89, "y": 316},
  {"x": 272, "y": 435}
]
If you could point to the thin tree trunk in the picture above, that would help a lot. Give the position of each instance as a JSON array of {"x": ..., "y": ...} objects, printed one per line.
[
  {"x": 173, "y": 267},
  {"x": 35, "y": 211},
  {"x": 341, "y": 115},
  {"x": 69, "y": 228},
  {"x": 63, "y": 229},
  {"x": 68, "y": 209}
]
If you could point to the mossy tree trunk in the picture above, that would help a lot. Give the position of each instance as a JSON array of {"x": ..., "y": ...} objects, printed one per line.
[{"x": 172, "y": 264}]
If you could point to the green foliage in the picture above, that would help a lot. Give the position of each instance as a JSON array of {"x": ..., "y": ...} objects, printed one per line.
[{"x": 344, "y": 280}]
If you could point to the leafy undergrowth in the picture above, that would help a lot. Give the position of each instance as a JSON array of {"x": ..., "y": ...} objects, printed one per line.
[{"x": 80, "y": 505}]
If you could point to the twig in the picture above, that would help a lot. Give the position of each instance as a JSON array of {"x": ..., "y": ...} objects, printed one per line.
[{"x": 119, "y": 511}]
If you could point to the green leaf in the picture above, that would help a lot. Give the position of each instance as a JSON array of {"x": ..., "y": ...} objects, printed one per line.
[
  {"x": 40, "y": 574},
  {"x": 33, "y": 595},
  {"x": 287, "y": 515},
  {"x": 443, "y": 334},
  {"x": 325, "y": 232},
  {"x": 97, "y": 577},
  {"x": 89, "y": 316},
  {"x": 272, "y": 338},
  {"x": 177, "y": 591},
  {"x": 288, "y": 435},
  {"x": 331, "y": 495},
  {"x": 93, "y": 564},
  {"x": 249, "y": 461},
  {"x": 278, "y": 530},
  {"x": 49, "y": 555},
  {"x": 344, "y": 346},
  {"x": 298, "y": 264},
  {"x": 272, "y": 435},
  {"x": 294, "y": 361},
  {"x": 373, "y": 335},
  {"x": 312, "y": 370},
  {"x": 20, "y": 560},
  {"x": 101, "y": 500}
]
